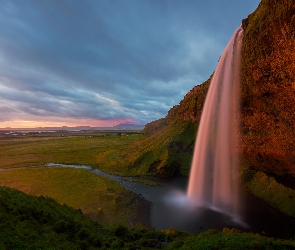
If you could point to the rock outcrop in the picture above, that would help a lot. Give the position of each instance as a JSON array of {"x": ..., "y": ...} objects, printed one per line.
[
  {"x": 268, "y": 87},
  {"x": 267, "y": 90},
  {"x": 267, "y": 132}
]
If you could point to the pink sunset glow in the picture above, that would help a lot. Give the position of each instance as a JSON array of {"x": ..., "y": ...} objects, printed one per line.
[
  {"x": 105, "y": 65},
  {"x": 70, "y": 122}
]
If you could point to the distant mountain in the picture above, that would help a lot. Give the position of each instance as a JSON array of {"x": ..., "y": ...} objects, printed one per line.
[
  {"x": 128, "y": 126},
  {"x": 78, "y": 128}
]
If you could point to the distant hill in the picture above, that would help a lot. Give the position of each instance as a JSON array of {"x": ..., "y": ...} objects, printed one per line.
[
  {"x": 128, "y": 126},
  {"x": 123, "y": 126}
]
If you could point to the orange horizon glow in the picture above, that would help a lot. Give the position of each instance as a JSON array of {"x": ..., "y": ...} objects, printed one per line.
[{"x": 67, "y": 122}]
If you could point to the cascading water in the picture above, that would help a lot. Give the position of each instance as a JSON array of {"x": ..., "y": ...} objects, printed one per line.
[{"x": 213, "y": 179}]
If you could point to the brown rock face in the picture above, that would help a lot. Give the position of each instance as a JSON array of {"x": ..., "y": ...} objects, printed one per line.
[
  {"x": 267, "y": 91},
  {"x": 268, "y": 87}
]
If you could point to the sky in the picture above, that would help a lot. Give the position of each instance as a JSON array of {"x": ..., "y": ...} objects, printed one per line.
[{"x": 104, "y": 62}]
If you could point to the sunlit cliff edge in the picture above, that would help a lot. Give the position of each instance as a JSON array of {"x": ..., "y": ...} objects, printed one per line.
[
  {"x": 267, "y": 94},
  {"x": 268, "y": 87}
]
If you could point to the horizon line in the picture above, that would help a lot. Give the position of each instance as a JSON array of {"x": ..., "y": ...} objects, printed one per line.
[{"x": 69, "y": 127}]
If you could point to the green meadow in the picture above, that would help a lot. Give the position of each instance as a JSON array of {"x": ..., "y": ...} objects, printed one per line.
[
  {"x": 68, "y": 148},
  {"x": 51, "y": 216},
  {"x": 99, "y": 198}
]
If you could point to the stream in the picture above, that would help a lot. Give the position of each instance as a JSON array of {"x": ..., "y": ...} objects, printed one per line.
[{"x": 171, "y": 210}]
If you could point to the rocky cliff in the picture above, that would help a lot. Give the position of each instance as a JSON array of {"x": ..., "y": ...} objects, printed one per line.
[
  {"x": 267, "y": 105},
  {"x": 268, "y": 87},
  {"x": 267, "y": 90}
]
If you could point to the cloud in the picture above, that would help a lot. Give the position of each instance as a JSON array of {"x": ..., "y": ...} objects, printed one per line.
[{"x": 109, "y": 59}]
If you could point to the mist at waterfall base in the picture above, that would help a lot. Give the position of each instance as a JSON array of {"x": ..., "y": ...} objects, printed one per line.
[{"x": 213, "y": 197}]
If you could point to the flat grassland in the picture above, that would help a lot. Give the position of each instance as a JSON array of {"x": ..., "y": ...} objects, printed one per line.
[
  {"x": 64, "y": 148},
  {"x": 22, "y": 164}
]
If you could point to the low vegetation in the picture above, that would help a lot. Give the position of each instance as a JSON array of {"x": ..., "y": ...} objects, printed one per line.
[
  {"x": 28, "y": 222},
  {"x": 166, "y": 153},
  {"x": 269, "y": 190},
  {"x": 230, "y": 239},
  {"x": 69, "y": 148},
  {"x": 99, "y": 198}
]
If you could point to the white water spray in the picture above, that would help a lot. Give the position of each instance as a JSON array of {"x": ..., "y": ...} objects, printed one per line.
[{"x": 213, "y": 179}]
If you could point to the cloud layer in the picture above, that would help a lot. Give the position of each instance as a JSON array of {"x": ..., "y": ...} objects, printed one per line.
[{"x": 108, "y": 61}]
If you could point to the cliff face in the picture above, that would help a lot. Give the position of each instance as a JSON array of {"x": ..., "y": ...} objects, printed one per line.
[
  {"x": 267, "y": 105},
  {"x": 268, "y": 87},
  {"x": 267, "y": 91}
]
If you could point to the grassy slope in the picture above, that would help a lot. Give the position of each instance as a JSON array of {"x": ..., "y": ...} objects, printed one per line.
[
  {"x": 269, "y": 190},
  {"x": 167, "y": 152},
  {"x": 99, "y": 198},
  {"x": 230, "y": 239},
  {"x": 168, "y": 145},
  {"x": 28, "y": 222}
]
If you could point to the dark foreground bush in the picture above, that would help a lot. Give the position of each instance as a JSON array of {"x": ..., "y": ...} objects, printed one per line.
[{"x": 28, "y": 222}]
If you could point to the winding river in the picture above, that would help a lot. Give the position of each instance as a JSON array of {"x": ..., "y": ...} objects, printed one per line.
[{"x": 170, "y": 209}]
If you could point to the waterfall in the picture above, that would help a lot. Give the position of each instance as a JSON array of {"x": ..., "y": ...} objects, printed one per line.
[{"x": 213, "y": 180}]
